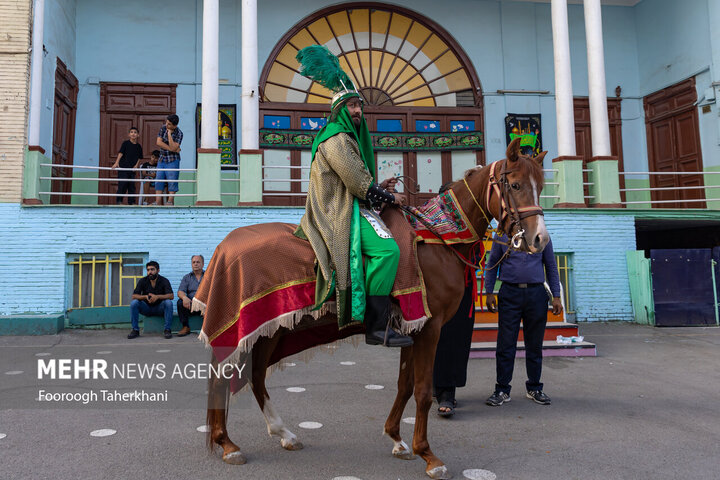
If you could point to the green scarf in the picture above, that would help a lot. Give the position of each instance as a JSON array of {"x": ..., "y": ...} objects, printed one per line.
[
  {"x": 353, "y": 309},
  {"x": 344, "y": 123}
]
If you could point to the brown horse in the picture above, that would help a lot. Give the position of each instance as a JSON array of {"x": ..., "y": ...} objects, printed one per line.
[{"x": 509, "y": 192}]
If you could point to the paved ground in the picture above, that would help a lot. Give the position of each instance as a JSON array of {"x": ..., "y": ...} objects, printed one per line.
[{"x": 645, "y": 408}]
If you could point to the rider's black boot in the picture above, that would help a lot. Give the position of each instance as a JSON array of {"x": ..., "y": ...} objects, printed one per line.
[{"x": 377, "y": 324}]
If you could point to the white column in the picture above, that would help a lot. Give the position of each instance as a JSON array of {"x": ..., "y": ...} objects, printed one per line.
[
  {"x": 563, "y": 80},
  {"x": 211, "y": 24},
  {"x": 249, "y": 96},
  {"x": 599, "y": 126},
  {"x": 36, "y": 75},
  {"x": 714, "y": 12}
]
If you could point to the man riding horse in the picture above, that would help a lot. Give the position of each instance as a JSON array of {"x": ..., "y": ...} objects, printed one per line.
[{"x": 341, "y": 218}]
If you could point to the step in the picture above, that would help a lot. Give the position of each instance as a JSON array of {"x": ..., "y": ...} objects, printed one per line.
[
  {"x": 550, "y": 349},
  {"x": 487, "y": 332},
  {"x": 483, "y": 316}
]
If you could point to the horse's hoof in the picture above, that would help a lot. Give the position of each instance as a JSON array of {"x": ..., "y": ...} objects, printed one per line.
[
  {"x": 293, "y": 445},
  {"x": 234, "y": 458},
  {"x": 401, "y": 451},
  {"x": 439, "y": 473}
]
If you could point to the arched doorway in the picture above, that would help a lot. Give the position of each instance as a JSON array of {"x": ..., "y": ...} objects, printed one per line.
[{"x": 423, "y": 100}]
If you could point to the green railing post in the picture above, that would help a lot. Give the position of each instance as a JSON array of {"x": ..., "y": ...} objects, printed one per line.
[
  {"x": 32, "y": 171},
  {"x": 250, "y": 177},
  {"x": 605, "y": 185},
  {"x": 570, "y": 182},
  {"x": 208, "y": 177}
]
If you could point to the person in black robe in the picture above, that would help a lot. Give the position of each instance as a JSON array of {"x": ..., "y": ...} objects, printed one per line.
[{"x": 453, "y": 350}]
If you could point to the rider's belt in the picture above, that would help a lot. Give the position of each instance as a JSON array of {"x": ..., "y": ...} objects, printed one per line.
[{"x": 522, "y": 285}]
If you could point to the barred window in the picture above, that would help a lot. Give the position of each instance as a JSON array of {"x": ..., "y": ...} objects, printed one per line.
[
  {"x": 103, "y": 280},
  {"x": 564, "y": 264}
]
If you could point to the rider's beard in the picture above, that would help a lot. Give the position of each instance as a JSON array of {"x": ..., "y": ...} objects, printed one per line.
[{"x": 153, "y": 276}]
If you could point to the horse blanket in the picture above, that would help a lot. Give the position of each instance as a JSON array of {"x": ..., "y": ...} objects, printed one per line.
[{"x": 262, "y": 279}]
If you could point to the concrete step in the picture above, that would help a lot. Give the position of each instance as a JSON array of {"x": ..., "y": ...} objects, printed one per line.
[
  {"x": 550, "y": 349},
  {"x": 483, "y": 316},
  {"x": 487, "y": 332}
]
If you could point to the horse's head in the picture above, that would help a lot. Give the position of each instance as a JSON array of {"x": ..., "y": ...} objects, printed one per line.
[{"x": 516, "y": 183}]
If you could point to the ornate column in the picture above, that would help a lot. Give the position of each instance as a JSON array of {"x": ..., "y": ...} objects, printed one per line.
[
  {"x": 568, "y": 164},
  {"x": 604, "y": 176},
  {"x": 250, "y": 157},
  {"x": 208, "y": 166}
]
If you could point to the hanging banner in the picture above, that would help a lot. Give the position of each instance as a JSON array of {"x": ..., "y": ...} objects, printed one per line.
[
  {"x": 227, "y": 133},
  {"x": 527, "y": 128}
]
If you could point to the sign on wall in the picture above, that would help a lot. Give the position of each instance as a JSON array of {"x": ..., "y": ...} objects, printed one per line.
[
  {"x": 527, "y": 128},
  {"x": 227, "y": 132}
]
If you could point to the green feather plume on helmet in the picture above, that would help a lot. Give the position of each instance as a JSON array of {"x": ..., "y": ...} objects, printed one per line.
[{"x": 320, "y": 65}]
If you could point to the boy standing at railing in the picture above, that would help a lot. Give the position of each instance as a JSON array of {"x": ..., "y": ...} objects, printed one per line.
[
  {"x": 169, "y": 140},
  {"x": 129, "y": 155},
  {"x": 147, "y": 172}
]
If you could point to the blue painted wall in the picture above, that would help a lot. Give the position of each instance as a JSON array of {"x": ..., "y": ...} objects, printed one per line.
[
  {"x": 509, "y": 44},
  {"x": 675, "y": 43},
  {"x": 647, "y": 47},
  {"x": 599, "y": 267},
  {"x": 59, "y": 40},
  {"x": 34, "y": 279}
]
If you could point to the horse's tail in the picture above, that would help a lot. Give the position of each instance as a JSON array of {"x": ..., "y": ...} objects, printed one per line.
[{"x": 218, "y": 404}]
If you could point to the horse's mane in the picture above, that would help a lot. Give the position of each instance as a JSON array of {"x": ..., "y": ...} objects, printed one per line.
[{"x": 526, "y": 166}]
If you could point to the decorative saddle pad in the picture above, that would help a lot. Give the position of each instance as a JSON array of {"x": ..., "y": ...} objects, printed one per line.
[{"x": 445, "y": 217}]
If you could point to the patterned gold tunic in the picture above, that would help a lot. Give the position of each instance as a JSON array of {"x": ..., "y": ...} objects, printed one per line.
[{"x": 337, "y": 176}]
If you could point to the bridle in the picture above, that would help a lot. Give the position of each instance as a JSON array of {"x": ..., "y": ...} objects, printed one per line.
[
  {"x": 508, "y": 208},
  {"x": 507, "y": 204}
]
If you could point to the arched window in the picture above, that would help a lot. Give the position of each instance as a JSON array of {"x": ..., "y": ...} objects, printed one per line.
[{"x": 423, "y": 101}]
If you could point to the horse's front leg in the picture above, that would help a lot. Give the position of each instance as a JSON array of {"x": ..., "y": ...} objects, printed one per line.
[
  {"x": 426, "y": 342},
  {"x": 405, "y": 390},
  {"x": 261, "y": 355},
  {"x": 218, "y": 399}
]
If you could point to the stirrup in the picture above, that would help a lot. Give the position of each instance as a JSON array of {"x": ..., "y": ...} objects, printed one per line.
[{"x": 399, "y": 339}]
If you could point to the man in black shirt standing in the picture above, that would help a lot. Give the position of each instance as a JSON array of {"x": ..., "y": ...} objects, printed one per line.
[
  {"x": 153, "y": 296},
  {"x": 129, "y": 156}
]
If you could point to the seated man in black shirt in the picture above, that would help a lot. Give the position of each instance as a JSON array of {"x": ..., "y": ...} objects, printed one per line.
[
  {"x": 129, "y": 156},
  {"x": 153, "y": 296}
]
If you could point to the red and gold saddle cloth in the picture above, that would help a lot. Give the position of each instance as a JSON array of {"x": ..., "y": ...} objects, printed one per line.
[{"x": 261, "y": 279}]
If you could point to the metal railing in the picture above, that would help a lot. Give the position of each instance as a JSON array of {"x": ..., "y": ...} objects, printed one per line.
[
  {"x": 142, "y": 181},
  {"x": 587, "y": 171},
  {"x": 668, "y": 189},
  {"x": 552, "y": 171},
  {"x": 302, "y": 194},
  {"x": 276, "y": 193}
]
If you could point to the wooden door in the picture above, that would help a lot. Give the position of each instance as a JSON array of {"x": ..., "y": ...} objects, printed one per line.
[
  {"x": 674, "y": 145},
  {"x": 583, "y": 136},
  {"x": 125, "y": 105},
  {"x": 66, "y": 90}
]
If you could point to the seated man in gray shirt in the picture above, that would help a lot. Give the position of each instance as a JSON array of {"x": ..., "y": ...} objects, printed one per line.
[{"x": 188, "y": 287}]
